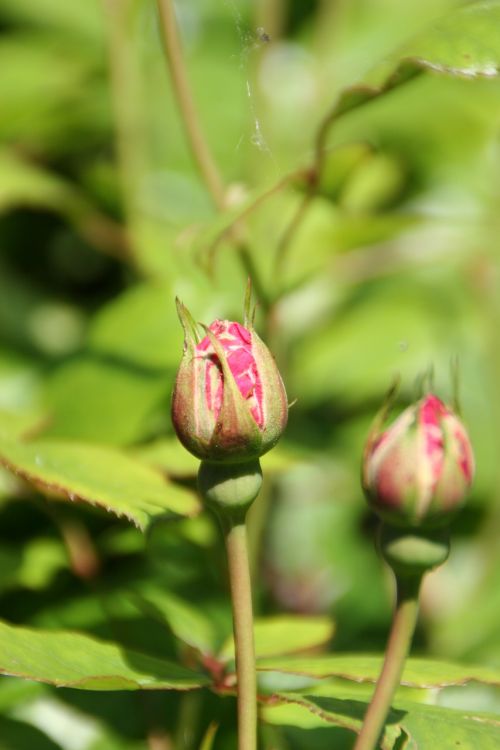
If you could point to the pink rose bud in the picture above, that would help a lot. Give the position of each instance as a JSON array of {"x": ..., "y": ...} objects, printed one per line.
[
  {"x": 418, "y": 471},
  {"x": 229, "y": 402}
]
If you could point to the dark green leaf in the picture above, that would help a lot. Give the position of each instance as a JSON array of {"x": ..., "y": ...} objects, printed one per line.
[
  {"x": 189, "y": 623},
  {"x": 18, "y": 735}
]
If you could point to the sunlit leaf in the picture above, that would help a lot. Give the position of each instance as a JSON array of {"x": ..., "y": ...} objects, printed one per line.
[
  {"x": 107, "y": 399},
  {"x": 465, "y": 43},
  {"x": 425, "y": 726},
  {"x": 293, "y": 709},
  {"x": 140, "y": 326},
  {"x": 285, "y": 634},
  {"x": 69, "y": 659},
  {"x": 423, "y": 673},
  {"x": 15, "y": 424},
  {"x": 101, "y": 476}
]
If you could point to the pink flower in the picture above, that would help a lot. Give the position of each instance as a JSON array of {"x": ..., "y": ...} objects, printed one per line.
[
  {"x": 229, "y": 402},
  {"x": 237, "y": 344},
  {"x": 419, "y": 470}
]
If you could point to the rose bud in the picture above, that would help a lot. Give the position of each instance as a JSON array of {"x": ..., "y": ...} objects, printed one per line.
[
  {"x": 419, "y": 470},
  {"x": 229, "y": 402}
]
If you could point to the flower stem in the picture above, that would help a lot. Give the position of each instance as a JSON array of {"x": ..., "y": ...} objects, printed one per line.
[
  {"x": 229, "y": 490},
  {"x": 241, "y": 595},
  {"x": 398, "y": 646}
]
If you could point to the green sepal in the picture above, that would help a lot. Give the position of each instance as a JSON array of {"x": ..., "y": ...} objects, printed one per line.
[
  {"x": 274, "y": 399},
  {"x": 189, "y": 325},
  {"x": 193, "y": 432},
  {"x": 248, "y": 312},
  {"x": 378, "y": 423}
]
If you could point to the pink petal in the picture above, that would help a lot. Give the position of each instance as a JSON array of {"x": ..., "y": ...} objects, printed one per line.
[{"x": 236, "y": 341}]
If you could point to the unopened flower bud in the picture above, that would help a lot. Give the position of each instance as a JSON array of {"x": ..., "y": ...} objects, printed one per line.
[
  {"x": 418, "y": 472},
  {"x": 229, "y": 402}
]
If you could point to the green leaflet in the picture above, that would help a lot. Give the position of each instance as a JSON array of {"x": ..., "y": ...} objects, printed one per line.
[
  {"x": 69, "y": 659},
  {"x": 98, "y": 475},
  {"x": 285, "y": 634},
  {"x": 465, "y": 43},
  {"x": 421, "y": 673},
  {"x": 426, "y": 727}
]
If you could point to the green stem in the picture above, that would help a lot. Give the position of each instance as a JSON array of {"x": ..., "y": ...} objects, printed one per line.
[
  {"x": 398, "y": 646},
  {"x": 241, "y": 595},
  {"x": 182, "y": 90},
  {"x": 229, "y": 490}
]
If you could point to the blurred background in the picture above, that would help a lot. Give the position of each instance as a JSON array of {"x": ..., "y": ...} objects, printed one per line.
[{"x": 389, "y": 266}]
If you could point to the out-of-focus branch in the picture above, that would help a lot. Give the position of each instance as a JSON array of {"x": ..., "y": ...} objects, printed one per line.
[
  {"x": 271, "y": 17},
  {"x": 190, "y": 118},
  {"x": 128, "y": 114}
]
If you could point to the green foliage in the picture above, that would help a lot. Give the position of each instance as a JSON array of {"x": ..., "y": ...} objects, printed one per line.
[
  {"x": 359, "y": 152},
  {"x": 422, "y": 673},
  {"x": 416, "y": 724},
  {"x": 72, "y": 660},
  {"x": 100, "y": 476},
  {"x": 283, "y": 634}
]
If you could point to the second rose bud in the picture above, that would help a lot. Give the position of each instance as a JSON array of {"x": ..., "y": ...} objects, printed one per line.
[{"x": 419, "y": 470}]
